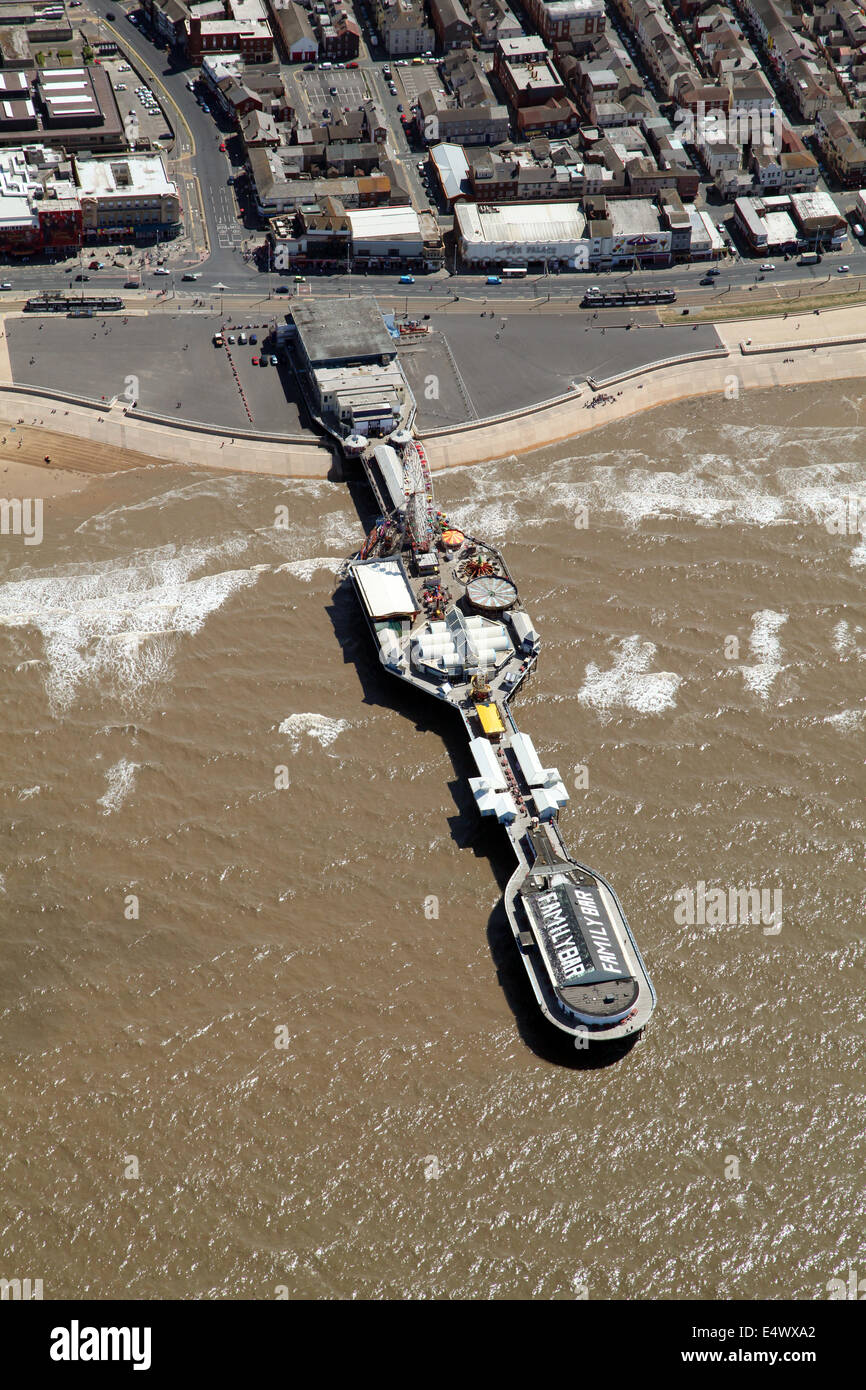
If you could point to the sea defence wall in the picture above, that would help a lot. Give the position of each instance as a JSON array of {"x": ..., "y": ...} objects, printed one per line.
[{"x": 759, "y": 362}]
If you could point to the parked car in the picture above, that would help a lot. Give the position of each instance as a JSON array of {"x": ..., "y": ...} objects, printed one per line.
[
  {"x": 857, "y": 229},
  {"x": 253, "y": 338},
  {"x": 274, "y": 362},
  {"x": 255, "y": 361},
  {"x": 242, "y": 338},
  {"x": 222, "y": 146}
]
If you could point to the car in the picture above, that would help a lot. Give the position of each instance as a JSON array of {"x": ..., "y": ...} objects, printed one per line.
[
  {"x": 299, "y": 280},
  {"x": 230, "y": 338},
  {"x": 282, "y": 289},
  {"x": 494, "y": 280},
  {"x": 767, "y": 266},
  {"x": 351, "y": 65},
  {"x": 274, "y": 362},
  {"x": 242, "y": 339},
  {"x": 161, "y": 270},
  {"x": 400, "y": 110},
  {"x": 843, "y": 269},
  {"x": 121, "y": 87},
  {"x": 714, "y": 270},
  {"x": 706, "y": 280},
  {"x": 191, "y": 275},
  {"x": 222, "y": 146},
  {"x": 96, "y": 265},
  {"x": 5, "y": 284},
  {"x": 333, "y": 91},
  {"x": 263, "y": 360},
  {"x": 255, "y": 361},
  {"x": 82, "y": 277},
  {"x": 407, "y": 279},
  {"x": 253, "y": 338}
]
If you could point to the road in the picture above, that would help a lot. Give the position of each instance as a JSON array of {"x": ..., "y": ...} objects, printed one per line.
[{"x": 210, "y": 204}]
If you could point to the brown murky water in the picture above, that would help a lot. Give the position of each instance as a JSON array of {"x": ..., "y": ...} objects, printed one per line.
[{"x": 321, "y": 1087}]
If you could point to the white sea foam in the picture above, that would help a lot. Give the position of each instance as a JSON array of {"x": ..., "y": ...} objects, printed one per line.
[
  {"x": 766, "y": 648},
  {"x": 317, "y": 726},
  {"x": 629, "y": 683},
  {"x": 120, "y": 781},
  {"x": 26, "y": 793},
  {"x": 117, "y": 626},
  {"x": 305, "y": 569},
  {"x": 847, "y": 721},
  {"x": 845, "y": 640}
]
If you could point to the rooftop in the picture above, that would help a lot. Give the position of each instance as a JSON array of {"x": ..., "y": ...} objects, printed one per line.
[{"x": 334, "y": 331}]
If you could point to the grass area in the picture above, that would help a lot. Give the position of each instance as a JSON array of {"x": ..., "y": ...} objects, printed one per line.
[{"x": 765, "y": 308}]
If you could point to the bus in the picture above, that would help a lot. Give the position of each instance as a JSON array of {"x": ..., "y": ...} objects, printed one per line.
[{"x": 513, "y": 272}]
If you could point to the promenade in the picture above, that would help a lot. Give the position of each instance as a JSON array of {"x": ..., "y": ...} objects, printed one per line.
[{"x": 89, "y": 437}]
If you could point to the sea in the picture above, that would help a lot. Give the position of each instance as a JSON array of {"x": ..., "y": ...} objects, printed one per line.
[{"x": 263, "y": 1028}]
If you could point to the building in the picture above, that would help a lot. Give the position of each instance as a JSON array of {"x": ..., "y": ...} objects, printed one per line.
[
  {"x": 572, "y": 21},
  {"x": 365, "y": 399},
  {"x": 521, "y": 233},
  {"x": 341, "y": 333},
  {"x": 295, "y": 32},
  {"x": 39, "y": 207},
  {"x": 462, "y": 119},
  {"x": 241, "y": 27},
  {"x": 129, "y": 195},
  {"x": 842, "y": 147},
  {"x": 452, "y": 24},
  {"x": 403, "y": 27},
  {"x": 71, "y": 108},
  {"x": 785, "y": 222}
]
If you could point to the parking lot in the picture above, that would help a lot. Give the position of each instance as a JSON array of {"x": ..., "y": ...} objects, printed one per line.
[
  {"x": 168, "y": 364},
  {"x": 142, "y": 115},
  {"x": 411, "y": 81},
  {"x": 315, "y": 96}
]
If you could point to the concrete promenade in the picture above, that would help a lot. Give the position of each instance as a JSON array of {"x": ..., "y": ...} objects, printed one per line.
[{"x": 98, "y": 438}]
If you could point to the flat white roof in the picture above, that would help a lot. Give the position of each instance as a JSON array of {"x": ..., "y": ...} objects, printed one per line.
[
  {"x": 386, "y": 222},
  {"x": 544, "y": 222},
  {"x": 385, "y": 590},
  {"x": 145, "y": 173}
]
